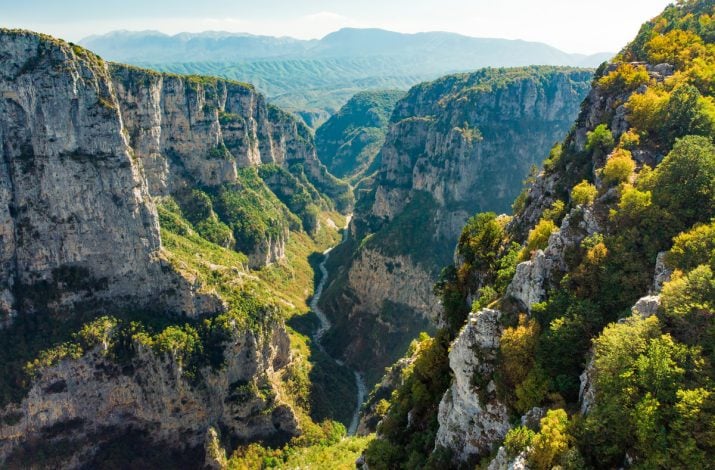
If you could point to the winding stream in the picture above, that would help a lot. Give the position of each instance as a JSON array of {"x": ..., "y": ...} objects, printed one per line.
[{"x": 324, "y": 327}]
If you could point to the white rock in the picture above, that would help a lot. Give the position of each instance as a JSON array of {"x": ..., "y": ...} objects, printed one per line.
[{"x": 467, "y": 425}]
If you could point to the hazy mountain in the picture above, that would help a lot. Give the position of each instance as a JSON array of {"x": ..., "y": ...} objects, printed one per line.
[
  {"x": 314, "y": 78},
  {"x": 457, "y": 50}
]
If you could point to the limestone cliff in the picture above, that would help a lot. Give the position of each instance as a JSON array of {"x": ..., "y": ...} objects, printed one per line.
[
  {"x": 89, "y": 150},
  {"x": 89, "y": 402},
  {"x": 461, "y": 144},
  {"x": 78, "y": 221},
  {"x": 87, "y": 146},
  {"x": 471, "y": 417}
]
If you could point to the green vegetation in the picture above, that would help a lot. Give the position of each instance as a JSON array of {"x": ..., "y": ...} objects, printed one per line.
[
  {"x": 538, "y": 238},
  {"x": 320, "y": 447},
  {"x": 653, "y": 377},
  {"x": 424, "y": 383},
  {"x": 297, "y": 193},
  {"x": 600, "y": 140},
  {"x": 350, "y": 140},
  {"x": 619, "y": 167},
  {"x": 583, "y": 194}
]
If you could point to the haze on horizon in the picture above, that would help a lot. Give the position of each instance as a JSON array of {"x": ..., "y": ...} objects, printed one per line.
[{"x": 572, "y": 26}]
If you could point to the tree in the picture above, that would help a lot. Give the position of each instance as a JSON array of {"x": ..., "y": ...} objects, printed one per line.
[
  {"x": 552, "y": 441},
  {"x": 481, "y": 240},
  {"x": 517, "y": 348},
  {"x": 583, "y": 194},
  {"x": 693, "y": 248},
  {"x": 538, "y": 238},
  {"x": 600, "y": 140},
  {"x": 619, "y": 167},
  {"x": 684, "y": 183}
]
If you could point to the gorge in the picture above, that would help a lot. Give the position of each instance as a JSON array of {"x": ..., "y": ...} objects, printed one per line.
[{"x": 509, "y": 268}]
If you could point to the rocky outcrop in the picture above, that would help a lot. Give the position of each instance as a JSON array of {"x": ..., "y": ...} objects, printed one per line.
[
  {"x": 662, "y": 273},
  {"x": 533, "y": 278},
  {"x": 471, "y": 417},
  {"x": 503, "y": 462},
  {"x": 268, "y": 251},
  {"x": 600, "y": 106},
  {"x": 97, "y": 396}
]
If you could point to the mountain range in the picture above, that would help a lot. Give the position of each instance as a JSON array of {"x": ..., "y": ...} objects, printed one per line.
[{"x": 314, "y": 78}]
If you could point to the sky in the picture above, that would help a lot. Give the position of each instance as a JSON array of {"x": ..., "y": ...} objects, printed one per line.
[{"x": 584, "y": 26}]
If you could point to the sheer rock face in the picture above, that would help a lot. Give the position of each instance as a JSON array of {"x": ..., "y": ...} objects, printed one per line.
[
  {"x": 472, "y": 419},
  {"x": 204, "y": 129},
  {"x": 94, "y": 394},
  {"x": 473, "y": 148},
  {"x": 87, "y": 145},
  {"x": 464, "y": 143},
  {"x": 76, "y": 215},
  {"x": 409, "y": 284}
]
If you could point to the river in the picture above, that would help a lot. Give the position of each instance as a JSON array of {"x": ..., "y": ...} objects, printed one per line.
[{"x": 325, "y": 326}]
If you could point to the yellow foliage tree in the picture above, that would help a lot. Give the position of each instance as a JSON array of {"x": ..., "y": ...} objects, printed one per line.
[
  {"x": 619, "y": 167},
  {"x": 517, "y": 347},
  {"x": 677, "y": 47},
  {"x": 538, "y": 238},
  {"x": 583, "y": 193},
  {"x": 551, "y": 441}
]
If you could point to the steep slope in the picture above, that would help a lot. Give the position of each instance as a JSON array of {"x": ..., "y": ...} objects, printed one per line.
[
  {"x": 133, "y": 206},
  {"x": 588, "y": 316},
  {"x": 459, "y": 143},
  {"x": 316, "y": 78},
  {"x": 350, "y": 140}
]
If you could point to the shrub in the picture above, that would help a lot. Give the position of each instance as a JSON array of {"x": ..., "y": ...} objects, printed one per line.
[
  {"x": 583, "y": 194},
  {"x": 485, "y": 296},
  {"x": 684, "y": 183},
  {"x": 645, "y": 111},
  {"x": 532, "y": 391},
  {"x": 556, "y": 212},
  {"x": 619, "y": 167},
  {"x": 600, "y": 140},
  {"x": 629, "y": 140},
  {"x": 552, "y": 440},
  {"x": 554, "y": 157},
  {"x": 626, "y": 77},
  {"x": 676, "y": 47},
  {"x": 516, "y": 348},
  {"x": 481, "y": 240},
  {"x": 518, "y": 440},
  {"x": 632, "y": 206},
  {"x": 693, "y": 248},
  {"x": 687, "y": 112},
  {"x": 689, "y": 304},
  {"x": 538, "y": 238}
]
